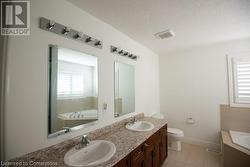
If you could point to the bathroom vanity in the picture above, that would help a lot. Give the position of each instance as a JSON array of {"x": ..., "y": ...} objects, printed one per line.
[
  {"x": 132, "y": 148},
  {"x": 151, "y": 153}
]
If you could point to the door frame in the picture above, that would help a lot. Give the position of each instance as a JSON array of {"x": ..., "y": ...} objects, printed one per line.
[{"x": 3, "y": 63}]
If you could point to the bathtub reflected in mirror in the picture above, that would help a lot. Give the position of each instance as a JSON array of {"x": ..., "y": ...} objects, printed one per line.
[{"x": 73, "y": 93}]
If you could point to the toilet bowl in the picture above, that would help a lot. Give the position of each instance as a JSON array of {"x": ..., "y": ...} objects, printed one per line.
[{"x": 174, "y": 139}]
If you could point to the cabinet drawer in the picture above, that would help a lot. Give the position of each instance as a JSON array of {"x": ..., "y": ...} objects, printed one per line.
[
  {"x": 137, "y": 153},
  {"x": 153, "y": 139}
]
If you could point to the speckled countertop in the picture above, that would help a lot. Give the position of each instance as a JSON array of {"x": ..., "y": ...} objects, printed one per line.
[{"x": 124, "y": 140}]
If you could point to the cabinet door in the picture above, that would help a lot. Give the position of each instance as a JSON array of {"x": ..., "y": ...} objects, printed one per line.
[
  {"x": 152, "y": 151},
  {"x": 149, "y": 155},
  {"x": 137, "y": 157},
  {"x": 125, "y": 162},
  {"x": 138, "y": 162},
  {"x": 157, "y": 158},
  {"x": 163, "y": 144}
]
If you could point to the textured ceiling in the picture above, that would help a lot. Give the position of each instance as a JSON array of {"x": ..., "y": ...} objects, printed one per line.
[{"x": 195, "y": 22}]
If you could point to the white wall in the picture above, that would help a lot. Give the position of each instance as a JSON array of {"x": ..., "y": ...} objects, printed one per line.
[
  {"x": 26, "y": 101},
  {"x": 193, "y": 83}
]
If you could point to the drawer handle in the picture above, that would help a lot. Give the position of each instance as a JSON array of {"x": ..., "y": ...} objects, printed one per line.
[
  {"x": 146, "y": 145},
  {"x": 137, "y": 152}
]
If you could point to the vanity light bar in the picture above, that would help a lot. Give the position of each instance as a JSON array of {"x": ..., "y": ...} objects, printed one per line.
[
  {"x": 52, "y": 26},
  {"x": 120, "y": 52}
]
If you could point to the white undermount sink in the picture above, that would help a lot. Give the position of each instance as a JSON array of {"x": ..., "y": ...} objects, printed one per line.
[
  {"x": 96, "y": 153},
  {"x": 140, "y": 126}
]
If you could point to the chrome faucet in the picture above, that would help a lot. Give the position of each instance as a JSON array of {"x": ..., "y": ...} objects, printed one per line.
[
  {"x": 84, "y": 142},
  {"x": 132, "y": 120}
]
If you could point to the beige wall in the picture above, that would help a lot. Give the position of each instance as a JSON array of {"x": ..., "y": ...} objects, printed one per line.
[
  {"x": 193, "y": 83},
  {"x": 76, "y": 104},
  {"x": 27, "y": 98},
  {"x": 118, "y": 105},
  {"x": 235, "y": 118}
]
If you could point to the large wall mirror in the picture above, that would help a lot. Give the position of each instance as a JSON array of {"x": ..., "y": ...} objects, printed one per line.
[
  {"x": 73, "y": 90},
  {"x": 124, "y": 89}
]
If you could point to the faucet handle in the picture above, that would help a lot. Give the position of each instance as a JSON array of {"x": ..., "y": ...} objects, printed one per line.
[
  {"x": 84, "y": 142},
  {"x": 67, "y": 129},
  {"x": 132, "y": 120},
  {"x": 85, "y": 139},
  {"x": 85, "y": 136}
]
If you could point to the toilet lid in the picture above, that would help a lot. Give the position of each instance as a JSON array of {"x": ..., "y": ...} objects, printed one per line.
[{"x": 175, "y": 131}]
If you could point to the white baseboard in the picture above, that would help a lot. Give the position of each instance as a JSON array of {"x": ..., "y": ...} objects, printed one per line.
[{"x": 207, "y": 144}]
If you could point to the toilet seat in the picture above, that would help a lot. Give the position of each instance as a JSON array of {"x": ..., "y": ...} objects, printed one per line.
[{"x": 176, "y": 132}]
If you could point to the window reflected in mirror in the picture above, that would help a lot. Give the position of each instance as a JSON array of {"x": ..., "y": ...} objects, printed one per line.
[
  {"x": 124, "y": 89},
  {"x": 73, "y": 89}
]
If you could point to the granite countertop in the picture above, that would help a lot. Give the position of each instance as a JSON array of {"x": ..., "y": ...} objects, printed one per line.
[
  {"x": 228, "y": 141},
  {"x": 124, "y": 140}
]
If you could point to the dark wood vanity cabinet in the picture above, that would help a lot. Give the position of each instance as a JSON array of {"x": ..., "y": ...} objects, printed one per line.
[
  {"x": 163, "y": 144},
  {"x": 152, "y": 153},
  {"x": 125, "y": 162},
  {"x": 152, "y": 150},
  {"x": 137, "y": 157}
]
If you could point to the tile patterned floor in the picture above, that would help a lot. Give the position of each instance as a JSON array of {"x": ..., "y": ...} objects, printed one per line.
[{"x": 193, "y": 156}]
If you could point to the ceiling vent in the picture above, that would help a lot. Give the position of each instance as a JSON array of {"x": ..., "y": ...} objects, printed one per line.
[{"x": 165, "y": 34}]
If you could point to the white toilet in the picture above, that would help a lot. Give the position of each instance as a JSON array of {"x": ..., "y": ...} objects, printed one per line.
[
  {"x": 174, "y": 139},
  {"x": 174, "y": 135}
]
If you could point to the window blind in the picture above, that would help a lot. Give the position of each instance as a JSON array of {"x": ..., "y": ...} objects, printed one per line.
[
  {"x": 70, "y": 84},
  {"x": 242, "y": 80}
]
